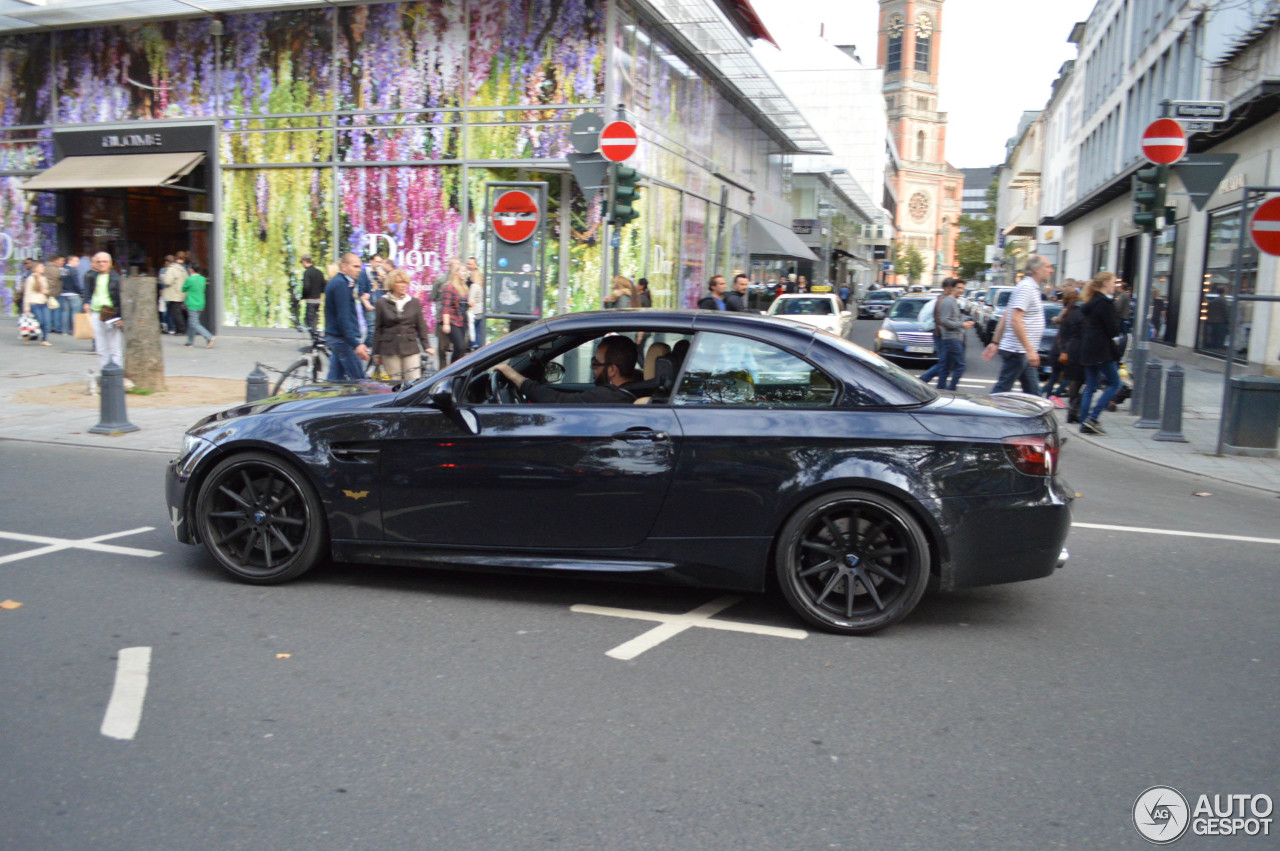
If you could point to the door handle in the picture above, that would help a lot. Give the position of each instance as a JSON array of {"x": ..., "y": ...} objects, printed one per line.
[{"x": 639, "y": 433}]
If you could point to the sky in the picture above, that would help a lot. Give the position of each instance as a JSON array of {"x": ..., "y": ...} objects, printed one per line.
[{"x": 999, "y": 58}]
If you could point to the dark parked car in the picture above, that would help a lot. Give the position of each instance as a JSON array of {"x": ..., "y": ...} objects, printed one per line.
[
  {"x": 903, "y": 337},
  {"x": 875, "y": 304},
  {"x": 765, "y": 447},
  {"x": 1052, "y": 310}
]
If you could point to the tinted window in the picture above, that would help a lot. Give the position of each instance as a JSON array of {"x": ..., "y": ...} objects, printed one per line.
[
  {"x": 725, "y": 370},
  {"x": 1002, "y": 298},
  {"x": 885, "y": 371},
  {"x": 1051, "y": 310}
]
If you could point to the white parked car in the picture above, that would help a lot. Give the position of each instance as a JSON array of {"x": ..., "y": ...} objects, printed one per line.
[{"x": 821, "y": 310}]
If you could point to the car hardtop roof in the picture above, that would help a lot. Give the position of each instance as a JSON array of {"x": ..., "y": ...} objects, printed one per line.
[{"x": 649, "y": 319}]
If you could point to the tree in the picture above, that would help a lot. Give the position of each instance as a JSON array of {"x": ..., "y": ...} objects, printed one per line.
[
  {"x": 909, "y": 262},
  {"x": 971, "y": 244}
]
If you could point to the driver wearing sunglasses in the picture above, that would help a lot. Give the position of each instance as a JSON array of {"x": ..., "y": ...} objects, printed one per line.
[{"x": 613, "y": 369}]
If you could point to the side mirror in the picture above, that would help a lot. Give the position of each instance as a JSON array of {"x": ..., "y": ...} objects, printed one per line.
[{"x": 443, "y": 399}]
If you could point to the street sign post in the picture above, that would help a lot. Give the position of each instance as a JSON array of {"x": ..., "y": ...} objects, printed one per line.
[
  {"x": 514, "y": 265},
  {"x": 1199, "y": 110},
  {"x": 1163, "y": 142},
  {"x": 618, "y": 141},
  {"x": 515, "y": 216},
  {"x": 1264, "y": 229},
  {"x": 1201, "y": 173},
  {"x": 584, "y": 132}
]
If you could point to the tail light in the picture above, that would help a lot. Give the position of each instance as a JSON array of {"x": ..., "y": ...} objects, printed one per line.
[{"x": 1033, "y": 454}]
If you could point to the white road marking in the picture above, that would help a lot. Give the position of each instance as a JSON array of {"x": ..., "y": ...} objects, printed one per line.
[
  {"x": 56, "y": 544},
  {"x": 124, "y": 710},
  {"x": 1178, "y": 532},
  {"x": 673, "y": 625}
]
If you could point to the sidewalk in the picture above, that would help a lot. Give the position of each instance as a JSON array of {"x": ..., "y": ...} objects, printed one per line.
[
  {"x": 233, "y": 357},
  {"x": 1201, "y": 414},
  {"x": 69, "y": 361}
]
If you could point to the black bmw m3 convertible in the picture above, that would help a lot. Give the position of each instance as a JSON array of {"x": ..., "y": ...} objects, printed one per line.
[{"x": 749, "y": 447}]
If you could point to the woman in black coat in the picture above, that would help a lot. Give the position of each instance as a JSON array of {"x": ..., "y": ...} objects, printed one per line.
[
  {"x": 400, "y": 331},
  {"x": 1070, "y": 338},
  {"x": 1098, "y": 350}
]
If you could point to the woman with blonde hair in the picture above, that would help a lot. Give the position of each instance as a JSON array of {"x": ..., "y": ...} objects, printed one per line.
[
  {"x": 35, "y": 300},
  {"x": 622, "y": 295},
  {"x": 453, "y": 313},
  {"x": 1098, "y": 349},
  {"x": 400, "y": 336}
]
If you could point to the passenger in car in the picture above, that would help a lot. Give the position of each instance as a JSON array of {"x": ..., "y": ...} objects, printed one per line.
[{"x": 613, "y": 368}]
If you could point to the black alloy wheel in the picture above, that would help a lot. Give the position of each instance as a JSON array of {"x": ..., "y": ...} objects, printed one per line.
[
  {"x": 852, "y": 562},
  {"x": 260, "y": 519}
]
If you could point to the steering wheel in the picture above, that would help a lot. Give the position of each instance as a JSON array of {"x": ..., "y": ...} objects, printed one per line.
[{"x": 501, "y": 390}]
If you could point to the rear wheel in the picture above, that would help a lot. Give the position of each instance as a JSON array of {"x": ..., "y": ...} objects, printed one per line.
[
  {"x": 299, "y": 373},
  {"x": 852, "y": 562},
  {"x": 261, "y": 519}
]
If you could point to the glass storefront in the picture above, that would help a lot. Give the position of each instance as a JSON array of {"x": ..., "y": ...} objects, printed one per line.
[
  {"x": 1218, "y": 282},
  {"x": 1166, "y": 286},
  {"x": 374, "y": 128}
]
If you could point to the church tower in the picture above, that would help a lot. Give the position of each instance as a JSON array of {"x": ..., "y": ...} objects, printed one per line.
[{"x": 929, "y": 190}]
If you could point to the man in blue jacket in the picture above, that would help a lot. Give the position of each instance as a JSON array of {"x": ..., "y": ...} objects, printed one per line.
[{"x": 342, "y": 327}]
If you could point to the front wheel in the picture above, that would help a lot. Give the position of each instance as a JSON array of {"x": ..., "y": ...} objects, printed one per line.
[
  {"x": 300, "y": 373},
  {"x": 852, "y": 562},
  {"x": 260, "y": 519}
]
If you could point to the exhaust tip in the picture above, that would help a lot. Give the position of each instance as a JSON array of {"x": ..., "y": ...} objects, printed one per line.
[{"x": 1063, "y": 557}]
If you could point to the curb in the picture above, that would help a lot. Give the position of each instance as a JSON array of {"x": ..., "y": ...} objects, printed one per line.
[{"x": 1093, "y": 440}]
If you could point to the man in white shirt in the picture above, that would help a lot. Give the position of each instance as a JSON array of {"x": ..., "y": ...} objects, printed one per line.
[{"x": 1023, "y": 325}]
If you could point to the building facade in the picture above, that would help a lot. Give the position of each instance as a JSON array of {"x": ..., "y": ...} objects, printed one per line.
[
  {"x": 1133, "y": 56},
  {"x": 317, "y": 129},
  {"x": 928, "y": 190}
]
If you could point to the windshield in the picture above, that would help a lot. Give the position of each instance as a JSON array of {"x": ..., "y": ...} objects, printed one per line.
[
  {"x": 907, "y": 308},
  {"x": 879, "y": 296},
  {"x": 1002, "y": 297},
  {"x": 802, "y": 307}
]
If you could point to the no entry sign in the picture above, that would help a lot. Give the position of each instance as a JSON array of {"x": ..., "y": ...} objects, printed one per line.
[
  {"x": 515, "y": 216},
  {"x": 1264, "y": 229},
  {"x": 1163, "y": 142},
  {"x": 618, "y": 141}
]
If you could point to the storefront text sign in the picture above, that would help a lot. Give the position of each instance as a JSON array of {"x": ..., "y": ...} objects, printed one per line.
[{"x": 132, "y": 140}]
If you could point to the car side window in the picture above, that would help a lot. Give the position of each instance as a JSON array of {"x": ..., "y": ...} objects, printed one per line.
[{"x": 726, "y": 370}]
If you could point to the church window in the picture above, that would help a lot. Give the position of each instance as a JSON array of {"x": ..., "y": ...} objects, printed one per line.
[
  {"x": 894, "y": 56},
  {"x": 920, "y": 145},
  {"x": 924, "y": 30}
]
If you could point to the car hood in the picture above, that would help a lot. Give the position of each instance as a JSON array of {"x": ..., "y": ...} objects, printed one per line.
[
  {"x": 823, "y": 322},
  {"x": 313, "y": 397},
  {"x": 902, "y": 325}
]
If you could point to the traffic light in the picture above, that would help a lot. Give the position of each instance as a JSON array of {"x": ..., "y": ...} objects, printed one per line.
[
  {"x": 1149, "y": 210},
  {"x": 624, "y": 197}
]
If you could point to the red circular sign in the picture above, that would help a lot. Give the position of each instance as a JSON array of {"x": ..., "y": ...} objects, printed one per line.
[
  {"x": 1264, "y": 229},
  {"x": 618, "y": 141},
  {"x": 515, "y": 216},
  {"x": 1163, "y": 142}
]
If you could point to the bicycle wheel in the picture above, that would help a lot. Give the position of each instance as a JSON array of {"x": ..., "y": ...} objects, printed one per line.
[{"x": 297, "y": 375}]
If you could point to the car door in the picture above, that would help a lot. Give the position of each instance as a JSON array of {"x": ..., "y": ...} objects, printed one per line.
[{"x": 559, "y": 476}]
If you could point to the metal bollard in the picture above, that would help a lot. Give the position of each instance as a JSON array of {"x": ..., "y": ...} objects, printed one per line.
[
  {"x": 256, "y": 385},
  {"x": 1150, "y": 396},
  {"x": 112, "y": 417},
  {"x": 1171, "y": 423}
]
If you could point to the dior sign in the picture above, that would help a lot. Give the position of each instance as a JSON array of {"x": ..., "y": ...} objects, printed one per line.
[
  {"x": 132, "y": 140},
  {"x": 414, "y": 258}
]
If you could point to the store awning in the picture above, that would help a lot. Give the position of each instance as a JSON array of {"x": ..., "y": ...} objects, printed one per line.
[
  {"x": 115, "y": 172},
  {"x": 766, "y": 237}
]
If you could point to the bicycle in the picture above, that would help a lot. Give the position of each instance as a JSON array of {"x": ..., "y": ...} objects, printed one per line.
[{"x": 309, "y": 368}]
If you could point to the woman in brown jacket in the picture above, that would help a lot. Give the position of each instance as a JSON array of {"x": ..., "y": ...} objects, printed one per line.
[{"x": 400, "y": 332}]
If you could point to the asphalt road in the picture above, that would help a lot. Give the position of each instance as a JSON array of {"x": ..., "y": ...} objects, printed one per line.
[{"x": 384, "y": 708}]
